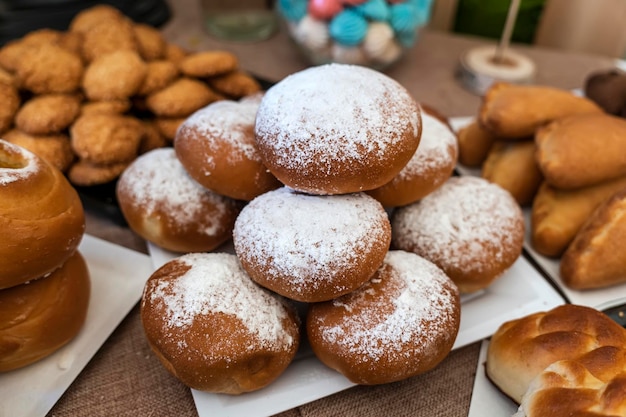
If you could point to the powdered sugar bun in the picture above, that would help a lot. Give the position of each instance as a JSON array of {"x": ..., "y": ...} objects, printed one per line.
[
  {"x": 401, "y": 323},
  {"x": 335, "y": 129},
  {"x": 216, "y": 145},
  {"x": 165, "y": 206},
  {"x": 41, "y": 216},
  {"x": 311, "y": 248},
  {"x": 213, "y": 328},
  {"x": 431, "y": 165},
  {"x": 469, "y": 227}
]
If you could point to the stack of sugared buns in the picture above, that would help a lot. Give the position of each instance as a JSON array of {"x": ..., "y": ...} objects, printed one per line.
[
  {"x": 569, "y": 361},
  {"x": 91, "y": 98},
  {"x": 563, "y": 156},
  {"x": 318, "y": 163},
  {"x": 44, "y": 280}
]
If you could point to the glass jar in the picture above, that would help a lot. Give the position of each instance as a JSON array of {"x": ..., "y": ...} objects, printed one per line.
[{"x": 374, "y": 33}]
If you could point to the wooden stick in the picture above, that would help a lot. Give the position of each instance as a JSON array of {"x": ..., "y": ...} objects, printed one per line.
[{"x": 505, "y": 39}]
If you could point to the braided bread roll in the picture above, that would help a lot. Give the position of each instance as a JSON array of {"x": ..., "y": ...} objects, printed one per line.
[
  {"x": 594, "y": 385},
  {"x": 521, "y": 349}
]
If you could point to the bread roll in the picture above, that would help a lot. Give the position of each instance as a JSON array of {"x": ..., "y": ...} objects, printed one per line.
[
  {"x": 594, "y": 385},
  {"x": 474, "y": 144},
  {"x": 431, "y": 165},
  {"x": 401, "y": 323},
  {"x": 41, "y": 316},
  {"x": 512, "y": 166},
  {"x": 512, "y": 111},
  {"x": 336, "y": 129},
  {"x": 557, "y": 215},
  {"x": 213, "y": 328},
  {"x": 521, "y": 349},
  {"x": 41, "y": 216},
  {"x": 595, "y": 258},
  {"x": 582, "y": 150}
]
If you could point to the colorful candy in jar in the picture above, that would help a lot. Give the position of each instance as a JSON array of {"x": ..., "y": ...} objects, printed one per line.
[{"x": 364, "y": 32}]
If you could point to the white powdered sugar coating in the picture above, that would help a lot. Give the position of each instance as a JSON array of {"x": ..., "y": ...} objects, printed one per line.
[
  {"x": 228, "y": 122},
  {"x": 28, "y": 166},
  {"x": 422, "y": 311},
  {"x": 335, "y": 112},
  {"x": 434, "y": 151},
  {"x": 459, "y": 223},
  {"x": 216, "y": 283},
  {"x": 157, "y": 183},
  {"x": 308, "y": 238}
]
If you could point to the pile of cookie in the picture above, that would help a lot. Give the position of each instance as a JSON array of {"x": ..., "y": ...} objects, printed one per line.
[
  {"x": 92, "y": 98},
  {"x": 562, "y": 155}
]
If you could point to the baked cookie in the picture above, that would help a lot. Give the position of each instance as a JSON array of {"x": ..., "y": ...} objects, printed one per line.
[
  {"x": 48, "y": 113},
  {"x": 115, "y": 76}
]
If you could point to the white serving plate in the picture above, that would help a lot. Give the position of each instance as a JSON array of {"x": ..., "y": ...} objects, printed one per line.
[
  {"x": 117, "y": 277},
  {"x": 520, "y": 291},
  {"x": 597, "y": 298}
]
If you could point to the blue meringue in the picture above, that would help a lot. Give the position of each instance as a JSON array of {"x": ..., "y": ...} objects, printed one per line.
[
  {"x": 403, "y": 17},
  {"x": 293, "y": 10},
  {"x": 376, "y": 10},
  {"x": 348, "y": 28}
]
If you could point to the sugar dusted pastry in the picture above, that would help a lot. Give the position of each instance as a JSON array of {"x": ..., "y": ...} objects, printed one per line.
[{"x": 513, "y": 111}]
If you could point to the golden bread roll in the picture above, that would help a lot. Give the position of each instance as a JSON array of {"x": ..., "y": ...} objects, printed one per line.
[
  {"x": 401, "y": 323},
  {"x": 322, "y": 137},
  {"x": 513, "y": 111},
  {"x": 474, "y": 144},
  {"x": 41, "y": 316},
  {"x": 311, "y": 248},
  {"x": 216, "y": 145},
  {"x": 595, "y": 258},
  {"x": 431, "y": 165},
  {"x": 557, "y": 215},
  {"x": 469, "y": 227},
  {"x": 521, "y": 349},
  {"x": 41, "y": 216},
  {"x": 213, "y": 328},
  {"x": 165, "y": 206},
  {"x": 582, "y": 150},
  {"x": 512, "y": 166},
  {"x": 591, "y": 386}
]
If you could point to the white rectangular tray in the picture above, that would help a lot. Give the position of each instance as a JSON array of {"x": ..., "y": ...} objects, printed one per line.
[
  {"x": 117, "y": 280},
  {"x": 519, "y": 292}
]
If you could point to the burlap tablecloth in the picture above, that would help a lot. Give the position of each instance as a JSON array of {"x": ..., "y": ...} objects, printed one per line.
[{"x": 125, "y": 379}]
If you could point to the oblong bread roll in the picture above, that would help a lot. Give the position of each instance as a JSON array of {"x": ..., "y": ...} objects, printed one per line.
[
  {"x": 515, "y": 111},
  {"x": 582, "y": 150},
  {"x": 557, "y": 215},
  {"x": 595, "y": 258}
]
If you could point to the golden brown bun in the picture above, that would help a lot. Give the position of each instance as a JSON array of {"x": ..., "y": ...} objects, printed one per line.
[
  {"x": 557, "y": 215},
  {"x": 311, "y": 248},
  {"x": 216, "y": 145},
  {"x": 512, "y": 166},
  {"x": 595, "y": 258},
  {"x": 213, "y": 328},
  {"x": 582, "y": 150},
  {"x": 403, "y": 322},
  {"x": 513, "y": 111},
  {"x": 469, "y": 227},
  {"x": 431, "y": 165},
  {"x": 474, "y": 144},
  {"x": 594, "y": 385},
  {"x": 41, "y": 217},
  {"x": 337, "y": 129},
  {"x": 163, "y": 205},
  {"x": 520, "y": 349},
  {"x": 42, "y": 315}
]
